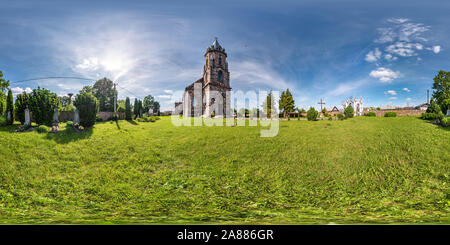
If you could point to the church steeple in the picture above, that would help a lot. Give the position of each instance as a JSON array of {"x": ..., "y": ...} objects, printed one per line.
[{"x": 216, "y": 65}]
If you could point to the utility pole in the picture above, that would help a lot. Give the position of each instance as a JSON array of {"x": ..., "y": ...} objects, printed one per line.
[{"x": 321, "y": 103}]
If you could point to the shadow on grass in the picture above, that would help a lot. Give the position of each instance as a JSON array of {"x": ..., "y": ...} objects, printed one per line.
[
  {"x": 69, "y": 135},
  {"x": 132, "y": 122},
  {"x": 117, "y": 124}
]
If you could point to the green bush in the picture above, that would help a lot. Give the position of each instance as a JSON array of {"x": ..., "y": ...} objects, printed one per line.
[
  {"x": 330, "y": 118},
  {"x": 43, "y": 129},
  {"x": 390, "y": 114},
  {"x": 87, "y": 106},
  {"x": 312, "y": 114},
  {"x": 340, "y": 116},
  {"x": 349, "y": 112},
  {"x": 69, "y": 123},
  {"x": 445, "y": 121},
  {"x": 43, "y": 104},
  {"x": 434, "y": 107},
  {"x": 148, "y": 119},
  {"x": 22, "y": 101},
  {"x": 445, "y": 105},
  {"x": 2, "y": 121},
  {"x": 432, "y": 116},
  {"x": 371, "y": 114}
]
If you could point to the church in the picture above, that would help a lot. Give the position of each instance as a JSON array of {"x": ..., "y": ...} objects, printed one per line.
[{"x": 210, "y": 95}]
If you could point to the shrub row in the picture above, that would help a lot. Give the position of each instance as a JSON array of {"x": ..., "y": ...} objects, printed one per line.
[
  {"x": 371, "y": 114},
  {"x": 148, "y": 119},
  {"x": 390, "y": 114},
  {"x": 445, "y": 121},
  {"x": 432, "y": 116}
]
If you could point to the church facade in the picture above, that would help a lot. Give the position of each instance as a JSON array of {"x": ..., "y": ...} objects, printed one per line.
[
  {"x": 210, "y": 95},
  {"x": 357, "y": 105}
]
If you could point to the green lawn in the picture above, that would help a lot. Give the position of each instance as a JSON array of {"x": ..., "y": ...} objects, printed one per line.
[{"x": 361, "y": 170}]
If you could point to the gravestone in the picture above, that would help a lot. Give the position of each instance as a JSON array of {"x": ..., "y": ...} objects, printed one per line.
[
  {"x": 76, "y": 117},
  {"x": 448, "y": 112},
  {"x": 27, "y": 118},
  {"x": 55, "y": 116}
]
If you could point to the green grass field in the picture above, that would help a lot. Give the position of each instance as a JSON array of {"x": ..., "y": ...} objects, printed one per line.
[{"x": 361, "y": 170}]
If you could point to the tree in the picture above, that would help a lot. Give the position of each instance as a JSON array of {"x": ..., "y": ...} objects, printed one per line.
[
  {"x": 312, "y": 114},
  {"x": 441, "y": 87},
  {"x": 10, "y": 107},
  {"x": 268, "y": 105},
  {"x": 104, "y": 91},
  {"x": 140, "y": 108},
  {"x": 87, "y": 89},
  {"x": 43, "y": 104},
  {"x": 445, "y": 105},
  {"x": 121, "y": 106},
  {"x": 3, "y": 83},
  {"x": 349, "y": 112},
  {"x": 88, "y": 107},
  {"x": 434, "y": 107},
  {"x": 128, "y": 115},
  {"x": 287, "y": 102},
  {"x": 22, "y": 102},
  {"x": 3, "y": 87},
  {"x": 136, "y": 108}
]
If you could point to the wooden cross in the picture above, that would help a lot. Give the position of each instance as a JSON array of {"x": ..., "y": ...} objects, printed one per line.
[{"x": 321, "y": 103}]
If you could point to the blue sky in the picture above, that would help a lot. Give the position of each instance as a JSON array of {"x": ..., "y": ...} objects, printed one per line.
[{"x": 384, "y": 51}]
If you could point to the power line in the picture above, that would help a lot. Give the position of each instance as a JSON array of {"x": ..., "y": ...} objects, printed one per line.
[
  {"x": 45, "y": 78},
  {"x": 129, "y": 92}
]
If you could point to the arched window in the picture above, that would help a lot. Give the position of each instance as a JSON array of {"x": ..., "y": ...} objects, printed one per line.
[
  {"x": 220, "y": 61},
  {"x": 220, "y": 76}
]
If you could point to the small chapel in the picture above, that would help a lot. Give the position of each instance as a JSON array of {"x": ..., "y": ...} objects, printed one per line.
[
  {"x": 356, "y": 103},
  {"x": 210, "y": 95}
]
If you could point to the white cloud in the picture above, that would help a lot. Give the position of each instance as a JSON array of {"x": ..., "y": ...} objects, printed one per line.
[
  {"x": 402, "y": 49},
  {"x": 18, "y": 90},
  {"x": 392, "y": 98},
  {"x": 406, "y": 89},
  {"x": 398, "y": 20},
  {"x": 385, "y": 75},
  {"x": 257, "y": 74},
  {"x": 436, "y": 49},
  {"x": 391, "y": 92},
  {"x": 164, "y": 96},
  {"x": 373, "y": 56},
  {"x": 168, "y": 91},
  {"x": 408, "y": 99}
]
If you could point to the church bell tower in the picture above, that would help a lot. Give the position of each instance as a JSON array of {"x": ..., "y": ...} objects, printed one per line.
[{"x": 216, "y": 66}]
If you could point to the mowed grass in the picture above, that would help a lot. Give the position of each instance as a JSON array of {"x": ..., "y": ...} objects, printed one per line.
[{"x": 361, "y": 170}]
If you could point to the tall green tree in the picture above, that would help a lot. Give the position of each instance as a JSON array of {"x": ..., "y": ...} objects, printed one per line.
[
  {"x": 128, "y": 114},
  {"x": 268, "y": 105},
  {"x": 148, "y": 103},
  {"x": 136, "y": 108},
  {"x": 3, "y": 88},
  {"x": 104, "y": 91},
  {"x": 287, "y": 103},
  {"x": 441, "y": 89},
  {"x": 10, "y": 107}
]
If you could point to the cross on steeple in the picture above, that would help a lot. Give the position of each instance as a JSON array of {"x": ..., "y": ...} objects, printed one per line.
[{"x": 321, "y": 103}]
